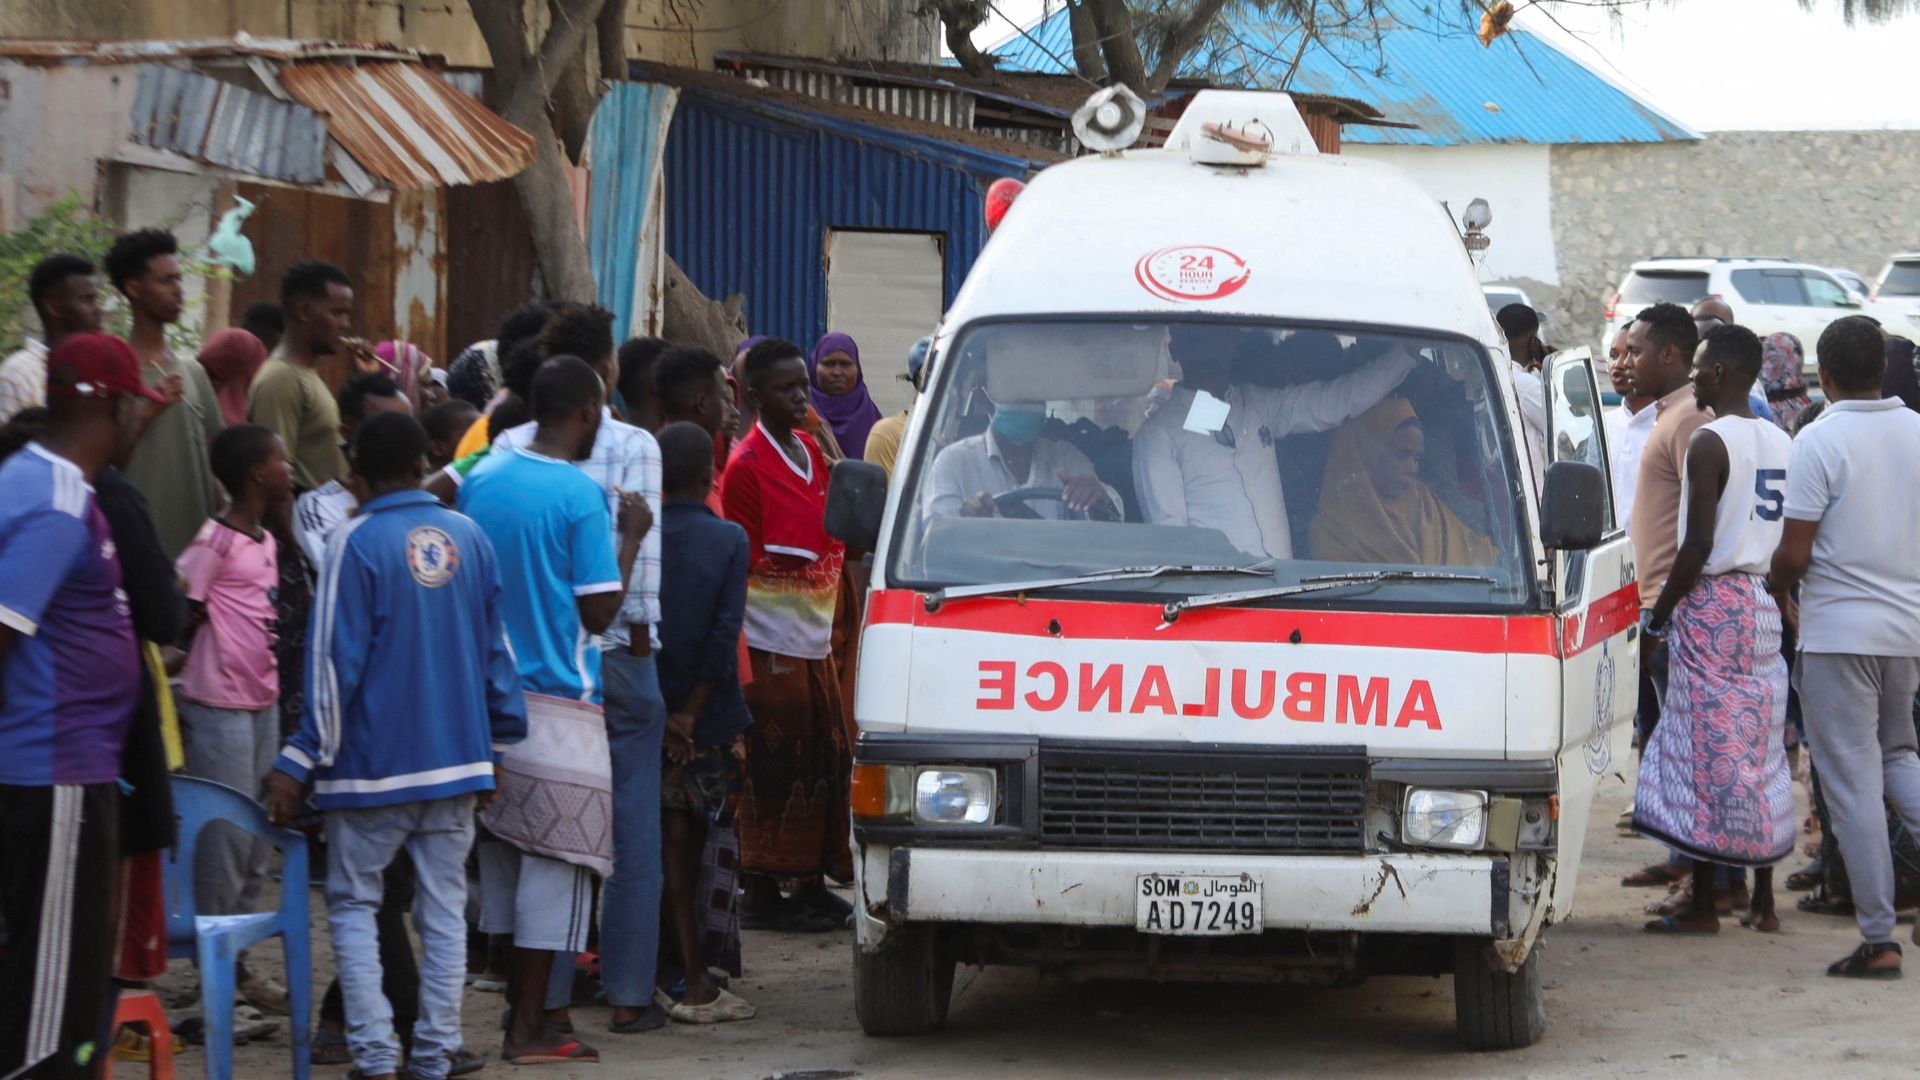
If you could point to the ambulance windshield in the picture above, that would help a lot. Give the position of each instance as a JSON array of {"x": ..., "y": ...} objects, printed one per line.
[{"x": 1057, "y": 449}]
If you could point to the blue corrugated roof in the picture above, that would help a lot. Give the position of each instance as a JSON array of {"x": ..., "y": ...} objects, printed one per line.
[{"x": 1425, "y": 68}]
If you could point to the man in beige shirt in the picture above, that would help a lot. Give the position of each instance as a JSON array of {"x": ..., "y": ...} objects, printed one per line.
[
  {"x": 288, "y": 395},
  {"x": 1660, "y": 347}
]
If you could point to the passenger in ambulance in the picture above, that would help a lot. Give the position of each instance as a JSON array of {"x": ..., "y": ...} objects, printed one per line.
[
  {"x": 1207, "y": 457},
  {"x": 1374, "y": 507},
  {"x": 972, "y": 477}
]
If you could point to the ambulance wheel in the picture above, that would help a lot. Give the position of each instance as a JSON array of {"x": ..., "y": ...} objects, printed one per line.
[
  {"x": 1494, "y": 1009},
  {"x": 903, "y": 987}
]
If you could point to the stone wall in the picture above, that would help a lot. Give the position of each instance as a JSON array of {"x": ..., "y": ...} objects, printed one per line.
[{"x": 1837, "y": 198}]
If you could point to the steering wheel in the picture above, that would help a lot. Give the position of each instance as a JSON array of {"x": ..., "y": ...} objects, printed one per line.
[{"x": 1013, "y": 504}]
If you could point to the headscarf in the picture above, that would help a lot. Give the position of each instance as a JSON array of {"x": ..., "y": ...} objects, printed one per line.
[
  {"x": 408, "y": 362},
  {"x": 1900, "y": 379},
  {"x": 1356, "y": 523},
  {"x": 1780, "y": 366},
  {"x": 475, "y": 374},
  {"x": 851, "y": 414},
  {"x": 231, "y": 357}
]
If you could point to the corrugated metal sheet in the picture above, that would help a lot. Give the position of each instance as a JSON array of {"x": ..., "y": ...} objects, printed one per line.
[
  {"x": 623, "y": 211},
  {"x": 750, "y": 197},
  {"x": 407, "y": 126},
  {"x": 1427, "y": 69},
  {"x": 204, "y": 118},
  {"x": 949, "y": 107}
]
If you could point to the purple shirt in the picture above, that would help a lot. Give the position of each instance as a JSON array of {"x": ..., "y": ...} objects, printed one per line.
[{"x": 68, "y": 685}]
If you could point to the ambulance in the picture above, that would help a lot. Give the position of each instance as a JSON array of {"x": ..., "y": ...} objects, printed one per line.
[{"x": 1227, "y": 620}]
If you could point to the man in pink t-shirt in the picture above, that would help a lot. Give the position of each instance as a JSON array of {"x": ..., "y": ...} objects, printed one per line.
[{"x": 230, "y": 690}]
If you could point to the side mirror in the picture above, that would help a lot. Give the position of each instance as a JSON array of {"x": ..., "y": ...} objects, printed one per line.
[
  {"x": 1573, "y": 507},
  {"x": 856, "y": 503}
]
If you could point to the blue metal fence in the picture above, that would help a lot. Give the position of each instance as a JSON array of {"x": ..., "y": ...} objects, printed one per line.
[{"x": 752, "y": 190}]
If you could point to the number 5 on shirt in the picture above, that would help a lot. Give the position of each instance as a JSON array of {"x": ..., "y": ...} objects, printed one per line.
[{"x": 1769, "y": 491}]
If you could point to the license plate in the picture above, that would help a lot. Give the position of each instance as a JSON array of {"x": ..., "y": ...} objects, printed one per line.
[{"x": 1198, "y": 905}]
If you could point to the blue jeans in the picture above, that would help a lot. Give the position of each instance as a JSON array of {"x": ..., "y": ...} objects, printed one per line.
[
  {"x": 630, "y": 901},
  {"x": 360, "y": 844}
]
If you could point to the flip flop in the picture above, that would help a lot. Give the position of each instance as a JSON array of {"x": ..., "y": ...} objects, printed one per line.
[
  {"x": 1665, "y": 925},
  {"x": 571, "y": 1050},
  {"x": 1806, "y": 877}
]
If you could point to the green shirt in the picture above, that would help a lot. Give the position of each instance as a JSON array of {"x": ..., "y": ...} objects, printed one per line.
[
  {"x": 294, "y": 401},
  {"x": 169, "y": 465}
]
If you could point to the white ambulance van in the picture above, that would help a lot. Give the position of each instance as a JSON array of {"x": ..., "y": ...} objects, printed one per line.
[{"x": 1220, "y": 628}]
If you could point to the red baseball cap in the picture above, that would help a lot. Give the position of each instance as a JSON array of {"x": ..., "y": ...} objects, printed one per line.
[{"x": 96, "y": 366}]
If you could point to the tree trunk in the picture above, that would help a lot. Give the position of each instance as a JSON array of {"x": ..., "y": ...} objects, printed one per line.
[
  {"x": 961, "y": 18},
  {"x": 1113, "y": 23},
  {"x": 688, "y": 317},
  {"x": 557, "y": 244},
  {"x": 1086, "y": 42}
]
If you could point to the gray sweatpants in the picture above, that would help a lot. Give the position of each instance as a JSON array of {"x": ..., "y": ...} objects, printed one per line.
[{"x": 1859, "y": 720}]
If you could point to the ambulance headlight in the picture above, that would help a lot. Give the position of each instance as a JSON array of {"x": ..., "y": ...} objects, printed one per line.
[
  {"x": 953, "y": 796},
  {"x": 1450, "y": 819}
]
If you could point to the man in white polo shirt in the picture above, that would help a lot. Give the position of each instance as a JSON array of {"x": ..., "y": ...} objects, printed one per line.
[{"x": 1846, "y": 512}]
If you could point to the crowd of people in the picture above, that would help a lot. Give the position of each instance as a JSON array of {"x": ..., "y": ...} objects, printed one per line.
[
  {"x": 560, "y": 622},
  {"x": 1773, "y": 621}
]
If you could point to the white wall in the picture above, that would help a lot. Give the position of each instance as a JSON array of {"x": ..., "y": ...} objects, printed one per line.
[{"x": 1515, "y": 180}]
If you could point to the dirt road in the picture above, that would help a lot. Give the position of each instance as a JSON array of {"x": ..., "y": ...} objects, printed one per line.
[{"x": 1621, "y": 1002}]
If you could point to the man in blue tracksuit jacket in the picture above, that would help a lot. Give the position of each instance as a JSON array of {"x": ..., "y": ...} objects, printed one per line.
[{"x": 410, "y": 690}]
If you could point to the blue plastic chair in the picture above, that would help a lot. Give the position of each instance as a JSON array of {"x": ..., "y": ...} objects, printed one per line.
[{"x": 215, "y": 940}]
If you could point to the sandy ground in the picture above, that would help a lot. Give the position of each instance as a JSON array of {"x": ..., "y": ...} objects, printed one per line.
[{"x": 1622, "y": 1003}]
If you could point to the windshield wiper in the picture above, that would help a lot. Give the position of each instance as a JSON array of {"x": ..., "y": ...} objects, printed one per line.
[
  {"x": 1322, "y": 583},
  {"x": 1119, "y": 573}
]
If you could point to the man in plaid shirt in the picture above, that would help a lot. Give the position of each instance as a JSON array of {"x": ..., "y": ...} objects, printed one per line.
[{"x": 624, "y": 459}]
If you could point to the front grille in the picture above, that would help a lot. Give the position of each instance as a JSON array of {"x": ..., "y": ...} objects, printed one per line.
[{"x": 1210, "y": 801}]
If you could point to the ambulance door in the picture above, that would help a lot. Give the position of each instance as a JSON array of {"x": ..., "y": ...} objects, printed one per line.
[{"x": 1597, "y": 607}]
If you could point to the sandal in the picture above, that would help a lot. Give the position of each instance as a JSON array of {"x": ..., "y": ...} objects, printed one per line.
[
  {"x": 1807, "y": 876},
  {"x": 329, "y": 1048},
  {"x": 1856, "y": 963},
  {"x": 1666, "y": 926},
  {"x": 1819, "y": 902},
  {"x": 653, "y": 1018},
  {"x": 570, "y": 1050},
  {"x": 1656, "y": 874}
]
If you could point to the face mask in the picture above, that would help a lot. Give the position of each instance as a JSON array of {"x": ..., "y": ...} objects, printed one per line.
[{"x": 1018, "y": 425}]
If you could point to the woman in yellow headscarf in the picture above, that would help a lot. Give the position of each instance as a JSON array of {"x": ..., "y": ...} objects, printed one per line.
[{"x": 1373, "y": 507}]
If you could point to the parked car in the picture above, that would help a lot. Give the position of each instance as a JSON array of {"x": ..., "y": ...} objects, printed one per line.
[
  {"x": 1499, "y": 296},
  {"x": 1855, "y": 284},
  {"x": 1768, "y": 295},
  {"x": 1895, "y": 298}
]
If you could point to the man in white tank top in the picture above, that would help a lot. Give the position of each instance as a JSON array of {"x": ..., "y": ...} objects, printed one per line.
[{"x": 1714, "y": 782}]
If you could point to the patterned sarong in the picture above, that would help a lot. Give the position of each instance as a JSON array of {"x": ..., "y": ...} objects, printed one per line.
[
  {"x": 556, "y": 788},
  {"x": 1713, "y": 778}
]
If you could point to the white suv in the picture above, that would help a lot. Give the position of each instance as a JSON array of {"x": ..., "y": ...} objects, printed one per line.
[
  {"x": 1768, "y": 295},
  {"x": 1895, "y": 299}
]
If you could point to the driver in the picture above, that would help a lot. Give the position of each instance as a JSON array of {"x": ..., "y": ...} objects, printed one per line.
[
  {"x": 1010, "y": 455},
  {"x": 1214, "y": 466}
]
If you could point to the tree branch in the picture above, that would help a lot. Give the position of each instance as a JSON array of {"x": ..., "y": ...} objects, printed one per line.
[{"x": 1179, "y": 39}]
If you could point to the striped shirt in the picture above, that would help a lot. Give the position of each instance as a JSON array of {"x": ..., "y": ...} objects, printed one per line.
[
  {"x": 624, "y": 458},
  {"x": 23, "y": 380},
  {"x": 315, "y": 515}
]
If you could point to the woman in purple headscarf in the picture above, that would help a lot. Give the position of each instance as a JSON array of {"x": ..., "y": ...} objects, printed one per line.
[{"x": 840, "y": 392}]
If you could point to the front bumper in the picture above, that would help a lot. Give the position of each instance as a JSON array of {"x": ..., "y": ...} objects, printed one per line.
[{"x": 1412, "y": 893}]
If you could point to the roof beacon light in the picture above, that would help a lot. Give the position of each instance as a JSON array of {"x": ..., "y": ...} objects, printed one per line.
[
  {"x": 1111, "y": 120},
  {"x": 1000, "y": 196}
]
